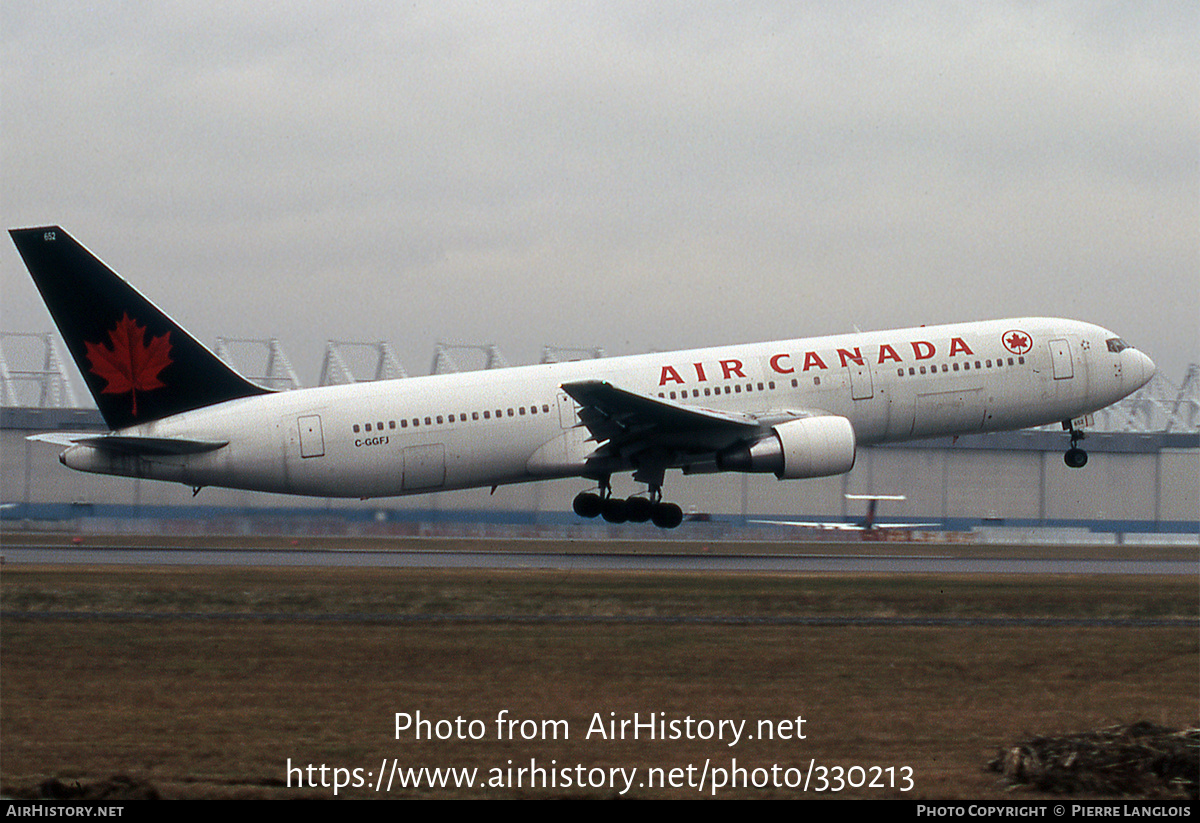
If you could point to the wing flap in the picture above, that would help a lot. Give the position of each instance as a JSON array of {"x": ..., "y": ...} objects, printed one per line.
[{"x": 611, "y": 413}]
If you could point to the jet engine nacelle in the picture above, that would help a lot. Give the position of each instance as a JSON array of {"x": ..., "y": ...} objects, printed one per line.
[{"x": 808, "y": 447}]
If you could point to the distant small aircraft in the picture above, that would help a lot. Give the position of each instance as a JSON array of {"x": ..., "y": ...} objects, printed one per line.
[{"x": 867, "y": 524}]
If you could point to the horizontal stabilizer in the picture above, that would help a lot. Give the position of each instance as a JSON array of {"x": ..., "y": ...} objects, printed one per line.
[{"x": 122, "y": 444}]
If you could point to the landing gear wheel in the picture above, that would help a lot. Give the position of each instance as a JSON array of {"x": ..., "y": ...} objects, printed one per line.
[
  {"x": 639, "y": 509},
  {"x": 1076, "y": 458},
  {"x": 587, "y": 504},
  {"x": 633, "y": 509},
  {"x": 614, "y": 510},
  {"x": 666, "y": 515}
]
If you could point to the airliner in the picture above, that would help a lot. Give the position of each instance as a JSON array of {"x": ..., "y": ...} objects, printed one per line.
[
  {"x": 866, "y": 524},
  {"x": 794, "y": 408}
]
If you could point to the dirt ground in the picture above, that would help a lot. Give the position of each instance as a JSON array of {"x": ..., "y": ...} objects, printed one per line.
[{"x": 211, "y": 683}]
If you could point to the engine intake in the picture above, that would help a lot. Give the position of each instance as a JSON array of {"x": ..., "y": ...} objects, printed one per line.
[{"x": 809, "y": 447}]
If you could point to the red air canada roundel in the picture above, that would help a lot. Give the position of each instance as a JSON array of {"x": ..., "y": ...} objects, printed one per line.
[
  {"x": 1017, "y": 342},
  {"x": 128, "y": 363}
]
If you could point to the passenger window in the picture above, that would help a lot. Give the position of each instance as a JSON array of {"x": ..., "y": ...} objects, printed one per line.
[
  {"x": 956, "y": 367},
  {"x": 404, "y": 424},
  {"x": 428, "y": 421},
  {"x": 521, "y": 409},
  {"x": 439, "y": 419},
  {"x": 379, "y": 426},
  {"x": 356, "y": 428},
  {"x": 391, "y": 424}
]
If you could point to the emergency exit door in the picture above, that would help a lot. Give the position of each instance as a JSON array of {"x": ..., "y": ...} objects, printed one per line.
[
  {"x": 312, "y": 440},
  {"x": 1060, "y": 357}
]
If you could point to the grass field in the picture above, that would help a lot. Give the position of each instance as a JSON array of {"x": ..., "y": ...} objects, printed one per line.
[{"x": 226, "y": 674}]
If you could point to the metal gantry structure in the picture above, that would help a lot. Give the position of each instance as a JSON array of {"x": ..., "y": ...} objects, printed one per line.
[
  {"x": 568, "y": 354},
  {"x": 445, "y": 363},
  {"x": 336, "y": 369},
  {"x": 1159, "y": 406},
  {"x": 277, "y": 372},
  {"x": 43, "y": 368}
]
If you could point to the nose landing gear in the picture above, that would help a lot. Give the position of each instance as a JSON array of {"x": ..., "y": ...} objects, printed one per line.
[{"x": 1075, "y": 458}]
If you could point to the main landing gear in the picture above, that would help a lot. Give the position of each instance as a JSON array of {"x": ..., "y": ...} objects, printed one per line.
[
  {"x": 1075, "y": 458},
  {"x": 631, "y": 509}
]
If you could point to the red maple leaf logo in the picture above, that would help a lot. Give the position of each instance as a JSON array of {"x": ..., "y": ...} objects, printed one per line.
[
  {"x": 1017, "y": 342},
  {"x": 130, "y": 364}
]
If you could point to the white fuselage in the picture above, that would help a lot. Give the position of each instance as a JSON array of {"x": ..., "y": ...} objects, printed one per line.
[{"x": 513, "y": 425}]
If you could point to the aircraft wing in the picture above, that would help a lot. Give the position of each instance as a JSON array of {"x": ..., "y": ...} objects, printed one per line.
[
  {"x": 628, "y": 420},
  {"x": 846, "y": 527},
  {"x": 812, "y": 524}
]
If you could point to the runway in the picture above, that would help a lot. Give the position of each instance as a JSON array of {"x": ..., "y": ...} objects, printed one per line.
[{"x": 931, "y": 563}]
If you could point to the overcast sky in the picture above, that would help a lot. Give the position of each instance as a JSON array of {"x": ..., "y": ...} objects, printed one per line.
[{"x": 630, "y": 175}]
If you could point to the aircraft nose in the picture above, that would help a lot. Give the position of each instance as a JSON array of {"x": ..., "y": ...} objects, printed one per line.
[{"x": 1143, "y": 368}]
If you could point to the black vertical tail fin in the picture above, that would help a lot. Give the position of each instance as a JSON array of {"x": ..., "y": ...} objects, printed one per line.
[
  {"x": 138, "y": 363},
  {"x": 869, "y": 521}
]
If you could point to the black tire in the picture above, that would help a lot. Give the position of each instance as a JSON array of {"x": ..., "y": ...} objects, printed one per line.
[
  {"x": 1075, "y": 458},
  {"x": 587, "y": 504},
  {"x": 615, "y": 510},
  {"x": 667, "y": 515},
  {"x": 638, "y": 509}
]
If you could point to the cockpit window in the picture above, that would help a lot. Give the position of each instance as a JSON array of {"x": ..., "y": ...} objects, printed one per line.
[{"x": 1116, "y": 344}]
